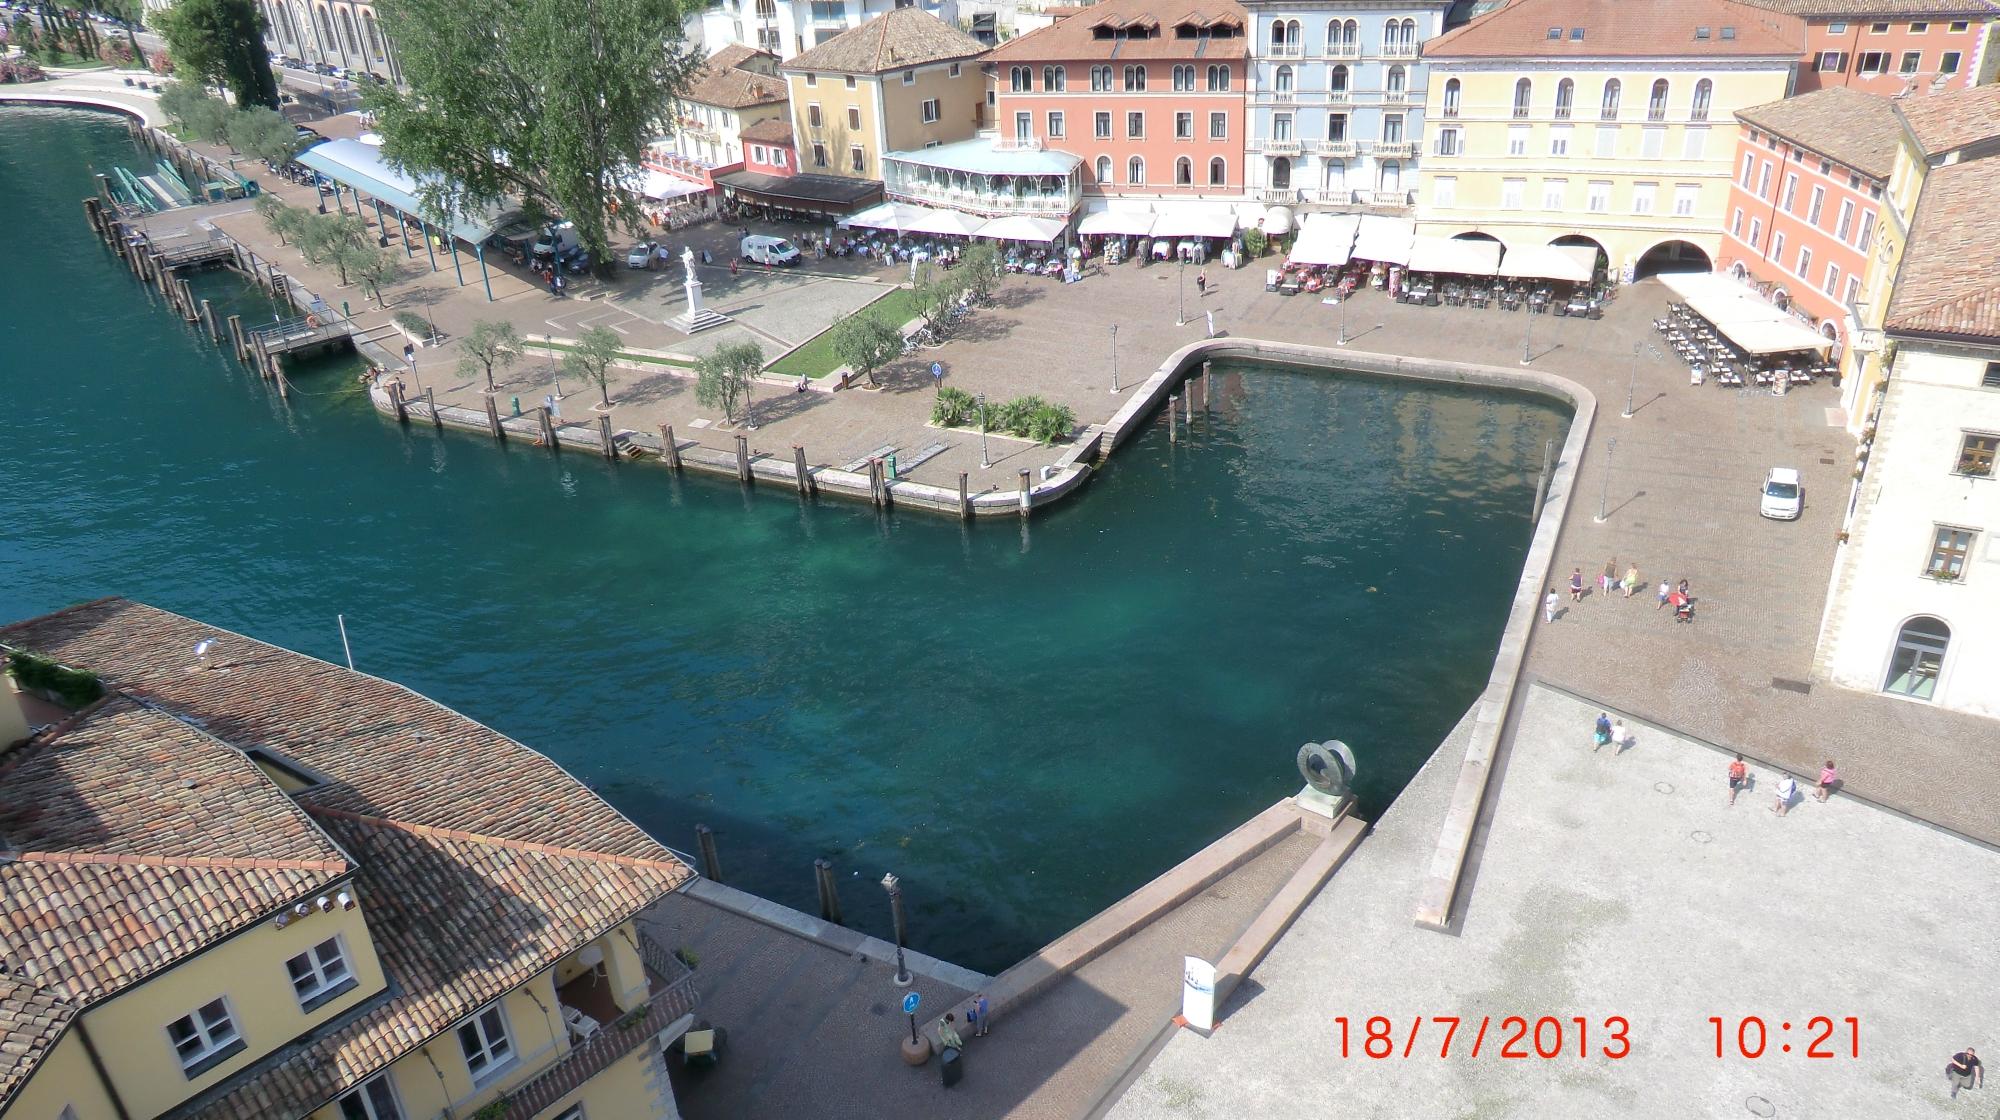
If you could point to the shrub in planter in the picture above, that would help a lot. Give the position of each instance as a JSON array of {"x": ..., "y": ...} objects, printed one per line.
[
  {"x": 414, "y": 325},
  {"x": 954, "y": 408},
  {"x": 1254, "y": 242},
  {"x": 74, "y": 687},
  {"x": 1050, "y": 423},
  {"x": 1012, "y": 417}
]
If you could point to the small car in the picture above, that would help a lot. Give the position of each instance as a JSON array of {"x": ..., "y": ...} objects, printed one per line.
[
  {"x": 1783, "y": 497},
  {"x": 640, "y": 255}
]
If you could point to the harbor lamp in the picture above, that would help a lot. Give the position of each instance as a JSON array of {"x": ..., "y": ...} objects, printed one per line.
[{"x": 895, "y": 888}]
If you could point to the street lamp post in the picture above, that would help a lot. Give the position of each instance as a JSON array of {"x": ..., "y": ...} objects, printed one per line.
[
  {"x": 984, "y": 462},
  {"x": 1527, "y": 332},
  {"x": 1343, "y": 317},
  {"x": 1632, "y": 384},
  {"x": 1180, "y": 316},
  {"x": 1114, "y": 357},
  {"x": 1604, "y": 491},
  {"x": 895, "y": 888}
]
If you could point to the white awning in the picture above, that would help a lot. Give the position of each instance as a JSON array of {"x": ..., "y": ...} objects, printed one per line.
[
  {"x": 1459, "y": 257},
  {"x": 1325, "y": 239},
  {"x": 1548, "y": 262},
  {"x": 1773, "y": 337},
  {"x": 1384, "y": 239},
  {"x": 952, "y": 222},
  {"x": 1276, "y": 221},
  {"x": 1195, "y": 221},
  {"x": 896, "y": 216},
  {"x": 1020, "y": 227},
  {"x": 1118, "y": 223},
  {"x": 660, "y": 185},
  {"x": 1744, "y": 318}
]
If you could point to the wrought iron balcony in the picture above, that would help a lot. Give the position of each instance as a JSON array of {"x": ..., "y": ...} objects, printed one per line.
[
  {"x": 1395, "y": 149},
  {"x": 1341, "y": 148},
  {"x": 1282, "y": 147}
]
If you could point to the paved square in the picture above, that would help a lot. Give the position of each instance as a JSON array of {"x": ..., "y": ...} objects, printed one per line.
[{"x": 1620, "y": 884}]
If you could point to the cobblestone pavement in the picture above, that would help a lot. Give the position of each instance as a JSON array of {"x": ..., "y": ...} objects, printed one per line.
[
  {"x": 1617, "y": 884},
  {"x": 814, "y": 1032}
]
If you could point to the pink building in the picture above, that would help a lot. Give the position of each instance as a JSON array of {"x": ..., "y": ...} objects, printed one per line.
[
  {"x": 1149, "y": 94},
  {"x": 1890, "y": 46},
  {"x": 767, "y": 148}
]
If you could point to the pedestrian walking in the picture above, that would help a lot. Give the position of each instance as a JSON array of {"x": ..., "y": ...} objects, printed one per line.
[
  {"x": 1608, "y": 578},
  {"x": 1683, "y": 588},
  {"x": 1618, "y": 735},
  {"x": 1631, "y": 580},
  {"x": 706, "y": 258},
  {"x": 979, "y": 1015},
  {"x": 1788, "y": 788},
  {"x": 1576, "y": 585},
  {"x": 1601, "y": 734},
  {"x": 1549, "y": 604},
  {"x": 1827, "y": 777},
  {"x": 1739, "y": 776},
  {"x": 1965, "y": 1072},
  {"x": 948, "y": 1035},
  {"x": 1666, "y": 589},
  {"x": 1200, "y": 284}
]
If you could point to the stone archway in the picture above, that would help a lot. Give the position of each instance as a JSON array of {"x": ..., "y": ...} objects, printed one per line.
[
  {"x": 1672, "y": 256},
  {"x": 1599, "y": 267}
]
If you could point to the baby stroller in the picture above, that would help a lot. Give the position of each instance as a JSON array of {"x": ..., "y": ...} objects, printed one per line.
[{"x": 1683, "y": 608}]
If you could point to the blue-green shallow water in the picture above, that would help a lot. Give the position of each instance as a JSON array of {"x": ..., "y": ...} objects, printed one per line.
[{"x": 1023, "y": 723}]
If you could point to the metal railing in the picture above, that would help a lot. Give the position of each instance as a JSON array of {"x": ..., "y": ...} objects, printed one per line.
[
  {"x": 1342, "y": 148},
  {"x": 1395, "y": 96},
  {"x": 1053, "y": 206},
  {"x": 1399, "y": 51},
  {"x": 1283, "y": 147},
  {"x": 1343, "y": 50},
  {"x": 1395, "y": 149}
]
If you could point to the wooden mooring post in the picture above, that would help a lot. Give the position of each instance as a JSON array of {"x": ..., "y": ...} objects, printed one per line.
[
  {"x": 493, "y": 418},
  {"x": 236, "y": 335},
  {"x": 670, "y": 449},
  {"x": 187, "y": 305},
  {"x": 549, "y": 430},
  {"x": 1173, "y": 428},
  {"x": 396, "y": 402},
  {"x": 743, "y": 458},
  {"x": 805, "y": 478},
  {"x": 964, "y": 499},
  {"x": 1027, "y": 491},
  {"x": 604, "y": 433},
  {"x": 704, "y": 842},
  {"x": 829, "y": 891},
  {"x": 208, "y": 320},
  {"x": 430, "y": 402}
]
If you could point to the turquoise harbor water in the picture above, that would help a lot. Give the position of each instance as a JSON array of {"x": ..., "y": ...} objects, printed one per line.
[{"x": 1024, "y": 723}]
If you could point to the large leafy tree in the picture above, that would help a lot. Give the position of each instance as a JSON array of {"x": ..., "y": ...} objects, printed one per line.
[
  {"x": 724, "y": 376},
  {"x": 490, "y": 343},
  {"x": 866, "y": 343},
  {"x": 222, "y": 42},
  {"x": 591, "y": 358},
  {"x": 263, "y": 133},
  {"x": 539, "y": 100}
]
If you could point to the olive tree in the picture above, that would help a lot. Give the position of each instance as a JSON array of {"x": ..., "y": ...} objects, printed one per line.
[
  {"x": 591, "y": 359},
  {"x": 724, "y": 376},
  {"x": 490, "y": 343},
  {"x": 866, "y": 343}
]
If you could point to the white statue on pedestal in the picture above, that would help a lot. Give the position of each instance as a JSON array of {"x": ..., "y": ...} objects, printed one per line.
[{"x": 687, "y": 262}]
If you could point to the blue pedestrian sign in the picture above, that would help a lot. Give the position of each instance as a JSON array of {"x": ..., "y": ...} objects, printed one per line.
[
  {"x": 910, "y": 1003},
  {"x": 937, "y": 371}
]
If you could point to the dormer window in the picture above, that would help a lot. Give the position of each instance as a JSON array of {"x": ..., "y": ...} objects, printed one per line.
[
  {"x": 1728, "y": 33},
  {"x": 1576, "y": 34},
  {"x": 1555, "y": 34},
  {"x": 1701, "y": 33}
]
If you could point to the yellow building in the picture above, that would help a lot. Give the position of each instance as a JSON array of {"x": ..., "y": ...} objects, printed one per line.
[
  {"x": 1606, "y": 122},
  {"x": 901, "y": 81},
  {"x": 249, "y": 884}
]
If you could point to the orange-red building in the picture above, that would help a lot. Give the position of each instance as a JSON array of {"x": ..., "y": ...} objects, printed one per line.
[
  {"x": 1892, "y": 47},
  {"x": 1148, "y": 94}
]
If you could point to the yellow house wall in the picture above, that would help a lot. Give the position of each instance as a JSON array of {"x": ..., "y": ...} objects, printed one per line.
[
  {"x": 64, "y": 1079},
  {"x": 623, "y": 1091},
  {"x": 1482, "y": 163},
  {"x": 1862, "y": 373},
  {"x": 958, "y": 100},
  {"x": 249, "y": 971},
  {"x": 834, "y": 99}
]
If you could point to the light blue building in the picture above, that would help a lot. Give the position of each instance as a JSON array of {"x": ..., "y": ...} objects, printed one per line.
[{"x": 1336, "y": 103}]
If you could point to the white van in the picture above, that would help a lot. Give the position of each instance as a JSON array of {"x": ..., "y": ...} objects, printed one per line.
[
  {"x": 1783, "y": 497},
  {"x": 759, "y": 249},
  {"x": 557, "y": 241}
]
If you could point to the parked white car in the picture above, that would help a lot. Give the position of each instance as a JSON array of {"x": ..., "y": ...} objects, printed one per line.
[
  {"x": 1783, "y": 497},
  {"x": 640, "y": 255}
]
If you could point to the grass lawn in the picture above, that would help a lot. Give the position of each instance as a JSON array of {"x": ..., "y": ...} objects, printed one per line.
[
  {"x": 815, "y": 358},
  {"x": 641, "y": 359}
]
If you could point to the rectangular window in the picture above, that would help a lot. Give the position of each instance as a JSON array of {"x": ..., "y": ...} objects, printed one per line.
[
  {"x": 1694, "y": 142},
  {"x": 853, "y": 118},
  {"x": 1791, "y": 193},
  {"x": 1336, "y": 126},
  {"x": 1685, "y": 197},
  {"x": 374, "y": 1099},
  {"x": 812, "y": 115},
  {"x": 1831, "y": 286},
  {"x": 1517, "y": 140},
  {"x": 1912, "y": 61},
  {"x": 1600, "y": 196},
  {"x": 1975, "y": 454},
  {"x": 1846, "y": 222},
  {"x": 1836, "y": 29},
  {"x": 1607, "y": 142},
  {"x": 777, "y": 157},
  {"x": 1652, "y": 143},
  {"x": 1831, "y": 62},
  {"x": 909, "y": 77},
  {"x": 850, "y": 81},
  {"x": 484, "y": 1041},
  {"x": 1878, "y": 28},
  {"x": 1642, "y": 197},
  {"x": 857, "y": 160},
  {"x": 1056, "y": 127},
  {"x": 1872, "y": 62},
  {"x": 1818, "y": 202},
  {"x": 1948, "y": 62},
  {"x": 757, "y": 154},
  {"x": 1777, "y": 247},
  {"x": 1756, "y": 232},
  {"x": 1958, "y": 27},
  {"x": 1281, "y": 126},
  {"x": 1183, "y": 126},
  {"x": 1804, "y": 270},
  {"x": 1949, "y": 548},
  {"x": 1736, "y": 223},
  {"x": 1445, "y": 193},
  {"x": 1555, "y": 194},
  {"x": 953, "y": 71},
  {"x": 319, "y": 974},
  {"x": 1867, "y": 231},
  {"x": 1392, "y": 128},
  {"x": 1135, "y": 125},
  {"x": 204, "y": 1038},
  {"x": 1749, "y": 170},
  {"x": 819, "y": 155},
  {"x": 930, "y": 110},
  {"x": 1218, "y": 126},
  {"x": 1100, "y": 125},
  {"x": 1024, "y": 127},
  {"x": 1447, "y": 142},
  {"x": 1559, "y": 139},
  {"x": 1919, "y": 27},
  {"x": 1512, "y": 192},
  {"x": 1853, "y": 290},
  {"x": 1764, "y": 182}
]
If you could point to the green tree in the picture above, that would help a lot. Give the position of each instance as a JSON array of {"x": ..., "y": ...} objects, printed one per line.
[
  {"x": 490, "y": 342},
  {"x": 262, "y": 133},
  {"x": 222, "y": 43},
  {"x": 283, "y": 221},
  {"x": 866, "y": 343},
  {"x": 130, "y": 11},
  {"x": 371, "y": 268},
  {"x": 332, "y": 238},
  {"x": 182, "y": 102},
  {"x": 592, "y": 357},
  {"x": 724, "y": 375},
  {"x": 981, "y": 266},
  {"x": 541, "y": 100},
  {"x": 23, "y": 34}
]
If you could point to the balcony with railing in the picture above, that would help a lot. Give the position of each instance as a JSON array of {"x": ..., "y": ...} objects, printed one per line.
[
  {"x": 1282, "y": 147},
  {"x": 617, "y": 1034},
  {"x": 1394, "y": 149},
  {"x": 1285, "y": 50},
  {"x": 1399, "y": 50},
  {"x": 1340, "y": 96},
  {"x": 1395, "y": 96},
  {"x": 1343, "y": 50},
  {"x": 1338, "y": 149}
]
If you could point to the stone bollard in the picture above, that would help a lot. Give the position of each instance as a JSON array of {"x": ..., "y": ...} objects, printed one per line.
[
  {"x": 829, "y": 891},
  {"x": 1027, "y": 492}
]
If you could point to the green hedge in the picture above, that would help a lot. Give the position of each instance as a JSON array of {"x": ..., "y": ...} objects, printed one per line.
[{"x": 75, "y": 687}]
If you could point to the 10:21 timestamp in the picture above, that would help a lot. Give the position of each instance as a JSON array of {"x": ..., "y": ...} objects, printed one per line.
[{"x": 1752, "y": 1039}]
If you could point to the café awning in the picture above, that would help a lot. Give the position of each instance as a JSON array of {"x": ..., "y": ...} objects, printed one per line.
[
  {"x": 361, "y": 167},
  {"x": 1118, "y": 223},
  {"x": 1745, "y": 318},
  {"x": 953, "y": 222},
  {"x": 897, "y": 216},
  {"x": 1020, "y": 227},
  {"x": 1549, "y": 262},
  {"x": 1325, "y": 239},
  {"x": 1195, "y": 221},
  {"x": 1384, "y": 239},
  {"x": 1451, "y": 255}
]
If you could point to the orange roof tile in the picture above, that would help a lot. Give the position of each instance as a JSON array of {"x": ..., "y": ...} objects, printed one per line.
[
  {"x": 1212, "y": 29},
  {"x": 1949, "y": 281},
  {"x": 895, "y": 40},
  {"x": 1622, "y": 29}
]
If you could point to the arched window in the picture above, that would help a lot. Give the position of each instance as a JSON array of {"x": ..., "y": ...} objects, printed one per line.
[
  {"x": 1218, "y": 172},
  {"x": 1350, "y": 34},
  {"x": 1277, "y": 36},
  {"x": 1184, "y": 172},
  {"x": 351, "y": 41},
  {"x": 1333, "y": 36},
  {"x": 1451, "y": 91},
  {"x": 374, "y": 34},
  {"x": 1524, "y": 95},
  {"x": 1281, "y": 174},
  {"x": 1054, "y": 79},
  {"x": 1608, "y": 109},
  {"x": 1703, "y": 91},
  {"x": 1282, "y": 80},
  {"x": 1656, "y": 101},
  {"x": 1918, "y": 657},
  {"x": 1218, "y": 79},
  {"x": 1135, "y": 79},
  {"x": 1104, "y": 169},
  {"x": 325, "y": 24},
  {"x": 1397, "y": 80},
  {"x": 1336, "y": 79},
  {"x": 1184, "y": 78},
  {"x": 1392, "y": 35},
  {"x": 1391, "y": 177},
  {"x": 1135, "y": 171},
  {"x": 1020, "y": 79},
  {"x": 1565, "y": 97},
  {"x": 1100, "y": 79}
]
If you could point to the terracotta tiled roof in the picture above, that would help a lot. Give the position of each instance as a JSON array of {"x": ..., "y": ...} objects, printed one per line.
[
  {"x": 481, "y": 862},
  {"x": 1857, "y": 129},
  {"x": 1622, "y": 29},
  {"x": 776, "y": 130},
  {"x": 895, "y": 40},
  {"x": 1159, "y": 22},
  {"x": 1819, "y": 9},
  {"x": 32, "y": 1019},
  {"x": 1949, "y": 282},
  {"x": 722, "y": 82},
  {"x": 1944, "y": 122}
]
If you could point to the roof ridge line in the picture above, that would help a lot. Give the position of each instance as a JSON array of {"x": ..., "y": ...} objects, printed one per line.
[
  {"x": 112, "y": 859},
  {"x": 61, "y": 611},
  {"x": 498, "y": 841}
]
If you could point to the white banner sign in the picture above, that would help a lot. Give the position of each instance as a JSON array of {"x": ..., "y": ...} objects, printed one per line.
[{"x": 1198, "y": 993}]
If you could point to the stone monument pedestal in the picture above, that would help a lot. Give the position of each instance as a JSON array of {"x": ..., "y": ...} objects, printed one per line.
[{"x": 696, "y": 317}]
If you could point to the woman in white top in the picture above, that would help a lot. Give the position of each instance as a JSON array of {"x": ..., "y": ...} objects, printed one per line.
[{"x": 1788, "y": 788}]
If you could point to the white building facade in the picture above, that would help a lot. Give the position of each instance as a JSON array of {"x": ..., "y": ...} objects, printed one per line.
[{"x": 788, "y": 28}]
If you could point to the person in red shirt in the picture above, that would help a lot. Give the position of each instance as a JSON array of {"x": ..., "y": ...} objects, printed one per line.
[{"x": 1739, "y": 776}]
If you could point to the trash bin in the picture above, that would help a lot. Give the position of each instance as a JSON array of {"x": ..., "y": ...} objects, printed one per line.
[
  {"x": 890, "y": 460},
  {"x": 952, "y": 1065},
  {"x": 517, "y": 406}
]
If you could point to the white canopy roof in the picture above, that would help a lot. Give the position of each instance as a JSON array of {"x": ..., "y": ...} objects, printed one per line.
[
  {"x": 1326, "y": 239},
  {"x": 1743, "y": 317},
  {"x": 1195, "y": 221},
  {"x": 1129, "y": 223},
  {"x": 1447, "y": 254},
  {"x": 1573, "y": 263},
  {"x": 1276, "y": 220},
  {"x": 658, "y": 184},
  {"x": 1384, "y": 239},
  {"x": 1020, "y": 227},
  {"x": 889, "y": 215},
  {"x": 947, "y": 221},
  {"x": 984, "y": 157}
]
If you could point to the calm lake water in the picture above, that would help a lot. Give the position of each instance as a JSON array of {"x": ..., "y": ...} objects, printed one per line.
[{"x": 1023, "y": 723}]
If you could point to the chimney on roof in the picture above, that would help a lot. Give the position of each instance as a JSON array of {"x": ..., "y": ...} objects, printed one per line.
[{"x": 13, "y": 720}]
